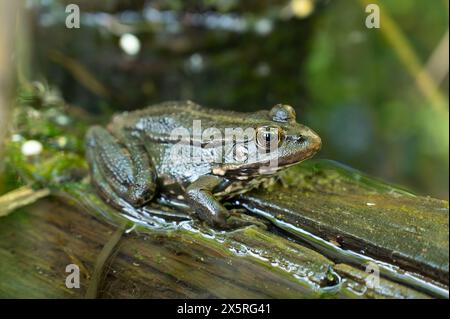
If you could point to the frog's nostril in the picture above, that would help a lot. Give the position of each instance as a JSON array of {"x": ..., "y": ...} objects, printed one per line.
[{"x": 296, "y": 138}]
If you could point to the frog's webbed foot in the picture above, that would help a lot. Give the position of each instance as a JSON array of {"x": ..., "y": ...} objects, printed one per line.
[
  {"x": 200, "y": 197},
  {"x": 120, "y": 168}
]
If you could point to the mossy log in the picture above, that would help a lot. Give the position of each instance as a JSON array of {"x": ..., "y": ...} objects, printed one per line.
[
  {"x": 188, "y": 260},
  {"x": 359, "y": 213}
]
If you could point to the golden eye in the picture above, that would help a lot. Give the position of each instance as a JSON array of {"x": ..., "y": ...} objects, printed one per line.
[{"x": 268, "y": 136}]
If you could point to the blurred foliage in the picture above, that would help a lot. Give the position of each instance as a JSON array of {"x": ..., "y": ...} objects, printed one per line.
[
  {"x": 366, "y": 106},
  {"x": 218, "y": 59},
  {"x": 42, "y": 116},
  {"x": 345, "y": 80}
]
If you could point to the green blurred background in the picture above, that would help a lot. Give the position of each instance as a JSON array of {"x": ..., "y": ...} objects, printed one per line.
[{"x": 377, "y": 97}]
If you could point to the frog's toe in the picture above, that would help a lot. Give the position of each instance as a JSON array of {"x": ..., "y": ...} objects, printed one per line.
[{"x": 138, "y": 196}]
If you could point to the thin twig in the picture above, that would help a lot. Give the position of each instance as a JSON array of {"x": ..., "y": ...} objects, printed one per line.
[
  {"x": 437, "y": 65},
  {"x": 107, "y": 251},
  {"x": 395, "y": 37},
  {"x": 20, "y": 197},
  {"x": 80, "y": 72}
]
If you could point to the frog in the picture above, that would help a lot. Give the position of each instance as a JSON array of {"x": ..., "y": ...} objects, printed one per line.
[{"x": 161, "y": 149}]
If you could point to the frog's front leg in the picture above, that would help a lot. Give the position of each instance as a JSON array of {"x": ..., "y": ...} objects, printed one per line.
[
  {"x": 201, "y": 199},
  {"x": 120, "y": 168}
]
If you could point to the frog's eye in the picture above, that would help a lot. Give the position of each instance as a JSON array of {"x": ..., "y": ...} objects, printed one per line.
[
  {"x": 282, "y": 113},
  {"x": 268, "y": 136}
]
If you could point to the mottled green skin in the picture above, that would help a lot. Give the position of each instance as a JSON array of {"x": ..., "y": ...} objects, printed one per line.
[{"x": 134, "y": 156}]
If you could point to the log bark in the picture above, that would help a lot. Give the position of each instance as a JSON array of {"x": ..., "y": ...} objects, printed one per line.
[
  {"x": 361, "y": 214},
  {"x": 191, "y": 261}
]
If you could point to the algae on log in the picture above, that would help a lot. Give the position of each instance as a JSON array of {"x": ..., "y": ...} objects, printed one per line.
[
  {"x": 184, "y": 259},
  {"x": 37, "y": 243},
  {"x": 358, "y": 213}
]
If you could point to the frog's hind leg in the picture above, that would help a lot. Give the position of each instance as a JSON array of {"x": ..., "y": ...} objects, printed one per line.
[{"x": 120, "y": 168}]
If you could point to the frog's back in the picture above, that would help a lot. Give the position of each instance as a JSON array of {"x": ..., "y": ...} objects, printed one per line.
[
  {"x": 159, "y": 118},
  {"x": 163, "y": 118}
]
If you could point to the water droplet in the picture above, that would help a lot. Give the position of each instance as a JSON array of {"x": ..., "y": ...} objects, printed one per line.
[
  {"x": 31, "y": 147},
  {"x": 263, "y": 26},
  {"x": 302, "y": 8},
  {"x": 130, "y": 44}
]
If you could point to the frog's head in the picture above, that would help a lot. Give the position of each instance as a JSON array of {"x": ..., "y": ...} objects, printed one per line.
[
  {"x": 294, "y": 142},
  {"x": 278, "y": 142}
]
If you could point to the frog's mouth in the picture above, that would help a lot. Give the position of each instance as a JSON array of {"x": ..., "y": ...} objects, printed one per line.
[
  {"x": 298, "y": 148},
  {"x": 246, "y": 171}
]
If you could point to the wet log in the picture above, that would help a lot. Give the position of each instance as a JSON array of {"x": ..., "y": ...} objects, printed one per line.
[
  {"x": 188, "y": 260},
  {"x": 37, "y": 244},
  {"x": 361, "y": 214}
]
